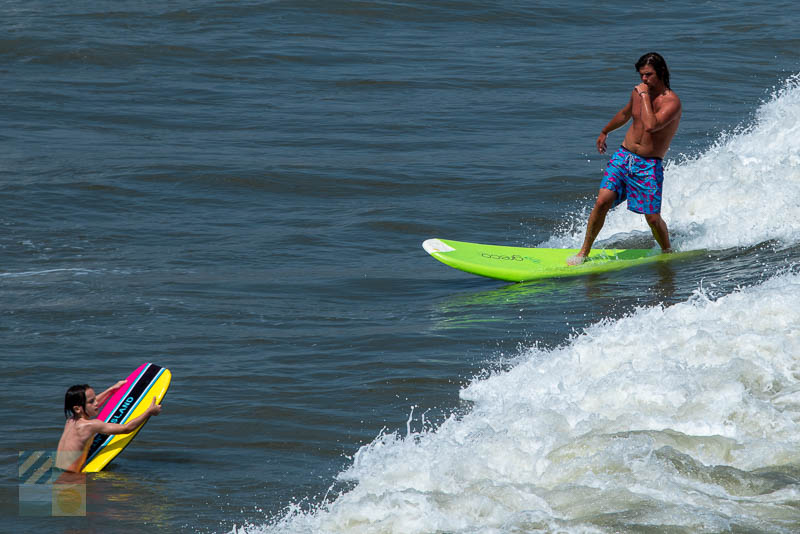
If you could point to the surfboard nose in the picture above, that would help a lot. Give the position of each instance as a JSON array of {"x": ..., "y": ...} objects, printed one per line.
[{"x": 435, "y": 245}]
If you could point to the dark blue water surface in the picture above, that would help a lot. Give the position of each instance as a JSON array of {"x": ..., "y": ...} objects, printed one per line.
[{"x": 238, "y": 191}]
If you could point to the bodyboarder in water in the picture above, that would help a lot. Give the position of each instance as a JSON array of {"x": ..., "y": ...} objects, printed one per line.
[
  {"x": 635, "y": 171},
  {"x": 81, "y": 407}
]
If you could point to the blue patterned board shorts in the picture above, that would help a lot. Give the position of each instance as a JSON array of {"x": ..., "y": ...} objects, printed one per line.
[{"x": 637, "y": 179}]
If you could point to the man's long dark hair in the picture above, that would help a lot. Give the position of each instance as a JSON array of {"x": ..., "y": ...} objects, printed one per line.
[{"x": 658, "y": 64}]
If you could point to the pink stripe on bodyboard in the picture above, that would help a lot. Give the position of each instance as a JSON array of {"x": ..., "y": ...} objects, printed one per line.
[{"x": 111, "y": 404}]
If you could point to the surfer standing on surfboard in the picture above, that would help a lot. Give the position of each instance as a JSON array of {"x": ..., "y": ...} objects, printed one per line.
[
  {"x": 81, "y": 406},
  {"x": 635, "y": 171}
]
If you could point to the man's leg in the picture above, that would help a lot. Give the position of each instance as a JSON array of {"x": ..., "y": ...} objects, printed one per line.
[
  {"x": 605, "y": 201},
  {"x": 659, "y": 229}
]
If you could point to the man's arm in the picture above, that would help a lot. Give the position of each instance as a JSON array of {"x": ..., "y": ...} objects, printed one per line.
[
  {"x": 622, "y": 116},
  {"x": 654, "y": 121},
  {"x": 101, "y": 427}
]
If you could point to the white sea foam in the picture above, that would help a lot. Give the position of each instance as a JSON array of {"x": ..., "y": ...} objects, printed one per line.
[
  {"x": 687, "y": 416},
  {"x": 742, "y": 191}
]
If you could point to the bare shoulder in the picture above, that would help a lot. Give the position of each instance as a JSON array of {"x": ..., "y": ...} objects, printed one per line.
[
  {"x": 668, "y": 104},
  {"x": 672, "y": 97},
  {"x": 89, "y": 426}
]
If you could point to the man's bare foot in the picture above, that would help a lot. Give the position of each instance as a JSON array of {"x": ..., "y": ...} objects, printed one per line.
[{"x": 577, "y": 259}]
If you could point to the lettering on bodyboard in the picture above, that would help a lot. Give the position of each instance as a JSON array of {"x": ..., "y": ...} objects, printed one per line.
[{"x": 123, "y": 409}]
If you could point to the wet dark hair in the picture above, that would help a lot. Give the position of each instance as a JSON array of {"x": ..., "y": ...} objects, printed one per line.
[
  {"x": 658, "y": 64},
  {"x": 76, "y": 396}
]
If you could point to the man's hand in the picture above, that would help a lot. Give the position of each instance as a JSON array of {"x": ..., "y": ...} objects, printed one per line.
[
  {"x": 601, "y": 143},
  {"x": 642, "y": 88},
  {"x": 119, "y": 384}
]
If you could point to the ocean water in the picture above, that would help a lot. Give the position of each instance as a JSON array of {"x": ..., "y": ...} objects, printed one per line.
[{"x": 239, "y": 191}]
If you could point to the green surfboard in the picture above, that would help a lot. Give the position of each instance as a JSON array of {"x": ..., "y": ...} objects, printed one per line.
[{"x": 523, "y": 264}]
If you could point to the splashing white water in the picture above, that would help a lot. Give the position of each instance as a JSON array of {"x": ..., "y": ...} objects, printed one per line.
[
  {"x": 743, "y": 191},
  {"x": 687, "y": 417}
]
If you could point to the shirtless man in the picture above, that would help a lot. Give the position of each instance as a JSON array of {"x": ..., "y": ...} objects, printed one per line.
[
  {"x": 81, "y": 406},
  {"x": 635, "y": 171}
]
